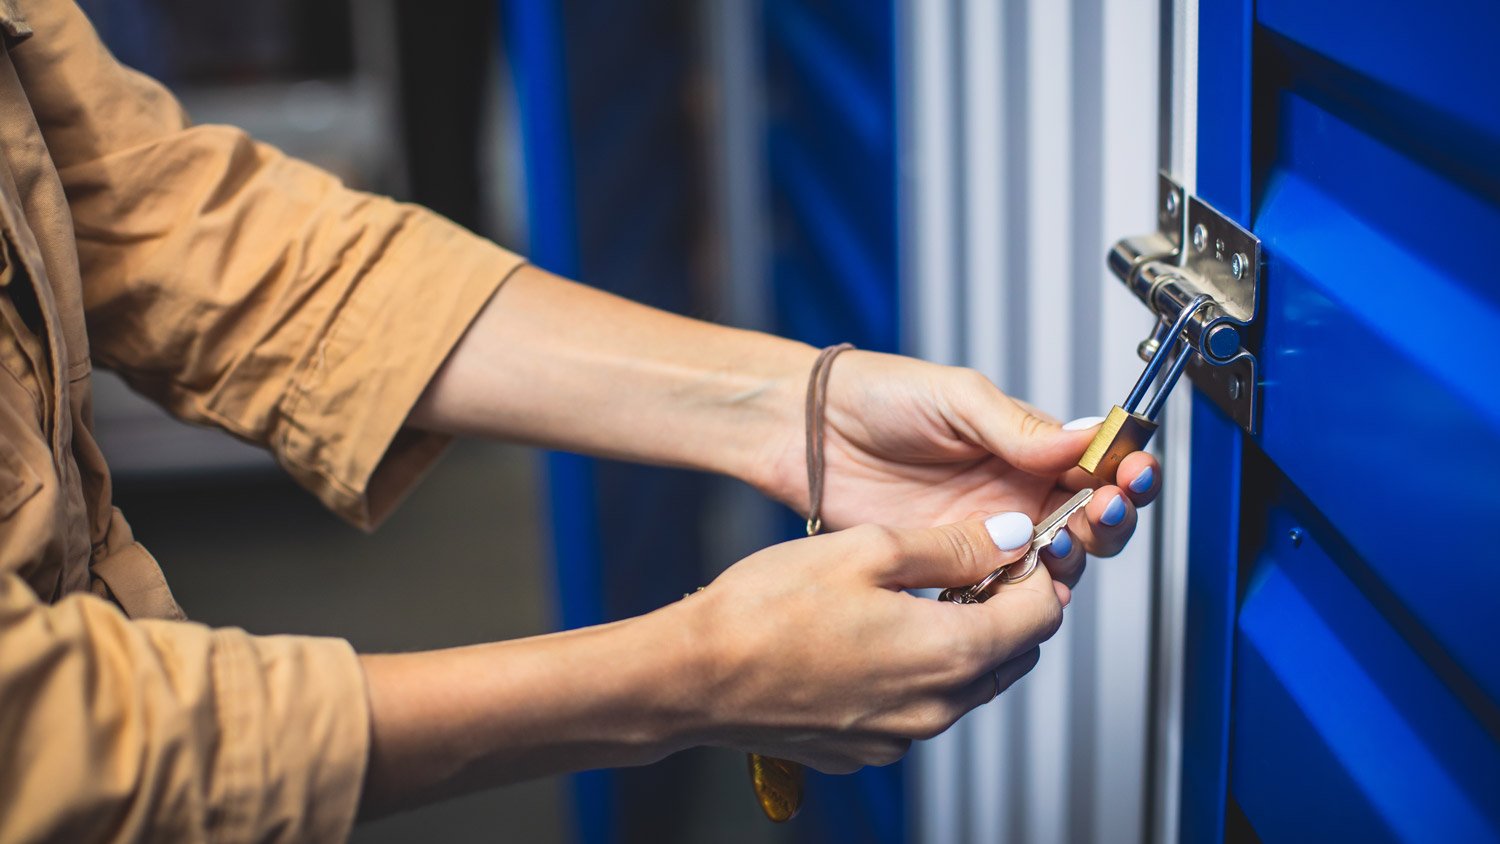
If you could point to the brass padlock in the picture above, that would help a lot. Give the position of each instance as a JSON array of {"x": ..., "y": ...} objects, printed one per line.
[{"x": 1125, "y": 431}]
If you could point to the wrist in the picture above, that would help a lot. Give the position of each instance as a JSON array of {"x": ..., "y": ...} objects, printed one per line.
[
  {"x": 766, "y": 446},
  {"x": 687, "y": 676}
]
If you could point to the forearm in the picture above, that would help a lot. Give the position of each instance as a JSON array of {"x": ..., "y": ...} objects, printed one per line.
[
  {"x": 558, "y": 364},
  {"x": 448, "y": 722}
]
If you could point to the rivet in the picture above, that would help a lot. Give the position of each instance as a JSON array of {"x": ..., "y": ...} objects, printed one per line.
[
  {"x": 1235, "y": 387},
  {"x": 1200, "y": 237},
  {"x": 1295, "y": 535},
  {"x": 1172, "y": 205},
  {"x": 1238, "y": 263}
]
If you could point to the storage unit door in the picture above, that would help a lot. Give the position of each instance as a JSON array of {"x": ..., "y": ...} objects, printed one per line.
[{"x": 1344, "y": 586}]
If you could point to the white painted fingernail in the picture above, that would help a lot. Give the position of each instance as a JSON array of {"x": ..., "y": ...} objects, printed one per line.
[
  {"x": 1083, "y": 424},
  {"x": 1009, "y": 530}
]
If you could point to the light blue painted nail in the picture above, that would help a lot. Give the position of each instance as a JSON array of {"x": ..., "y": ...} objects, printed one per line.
[
  {"x": 1143, "y": 481},
  {"x": 1115, "y": 512},
  {"x": 1062, "y": 544},
  {"x": 1084, "y": 423},
  {"x": 1009, "y": 530}
]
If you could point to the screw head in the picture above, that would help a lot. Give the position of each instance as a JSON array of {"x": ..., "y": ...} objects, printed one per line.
[
  {"x": 1295, "y": 535},
  {"x": 1200, "y": 237},
  {"x": 1236, "y": 387},
  {"x": 1238, "y": 265},
  {"x": 1172, "y": 205}
]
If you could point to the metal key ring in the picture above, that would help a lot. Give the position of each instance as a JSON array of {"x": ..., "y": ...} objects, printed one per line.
[
  {"x": 1002, "y": 574},
  {"x": 1030, "y": 561}
]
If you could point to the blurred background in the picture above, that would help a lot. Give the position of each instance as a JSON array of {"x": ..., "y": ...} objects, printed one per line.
[{"x": 926, "y": 177}]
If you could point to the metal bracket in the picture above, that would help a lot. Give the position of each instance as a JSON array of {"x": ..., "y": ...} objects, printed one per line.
[{"x": 1196, "y": 250}]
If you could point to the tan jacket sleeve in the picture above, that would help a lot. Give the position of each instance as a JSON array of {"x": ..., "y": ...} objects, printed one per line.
[
  {"x": 119, "y": 730},
  {"x": 246, "y": 289}
]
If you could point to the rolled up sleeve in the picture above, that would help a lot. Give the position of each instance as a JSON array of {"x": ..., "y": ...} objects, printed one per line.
[
  {"x": 245, "y": 289},
  {"x": 119, "y": 730}
]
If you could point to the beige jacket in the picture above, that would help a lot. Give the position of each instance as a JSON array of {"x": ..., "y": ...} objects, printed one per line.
[{"x": 241, "y": 289}]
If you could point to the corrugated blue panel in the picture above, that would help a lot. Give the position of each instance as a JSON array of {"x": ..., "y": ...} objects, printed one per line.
[
  {"x": 608, "y": 145},
  {"x": 1365, "y": 687},
  {"x": 1439, "y": 53},
  {"x": 829, "y": 230},
  {"x": 832, "y": 151},
  {"x": 833, "y": 167},
  {"x": 827, "y": 62},
  {"x": 1354, "y": 736},
  {"x": 1364, "y": 284}
]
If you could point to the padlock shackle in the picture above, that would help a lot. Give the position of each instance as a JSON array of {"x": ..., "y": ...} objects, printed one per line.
[
  {"x": 1153, "y": 368},
  {"x": 1159, "y": 400}
]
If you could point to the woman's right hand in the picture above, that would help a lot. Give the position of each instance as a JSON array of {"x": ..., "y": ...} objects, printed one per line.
[{"x": 818, "y": 655}]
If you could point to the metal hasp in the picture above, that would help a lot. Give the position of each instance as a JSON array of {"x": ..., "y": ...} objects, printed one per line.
[{"x": 1197, "y": 251}]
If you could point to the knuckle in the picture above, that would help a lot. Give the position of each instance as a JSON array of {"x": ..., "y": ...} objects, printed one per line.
[
  {"x": 890, "y": 753},
  {"x": 974, "y": 379},
  {"x": 876, "y": 544},
  {"x": 841, "y": 766},
  {"x": 1113, "y": 547},
  {"x": 1032, "y": 425},
  {"x": 971, "y": 388},
  {"x": 1074, "y": 572},
  {"x": 956, "y": 654},
  {"x": 1051, "y": 618},
  {"x": 877, "y": 541},
  {"x": 932, "y": 721},
  {"x": 961, "y": 548}
]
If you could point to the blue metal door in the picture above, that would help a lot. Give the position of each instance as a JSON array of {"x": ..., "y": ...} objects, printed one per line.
[
  {"x": 831, "y": 144},
  {"x": 1344, "y": 591},
  {"x": 609, "y": 148}
]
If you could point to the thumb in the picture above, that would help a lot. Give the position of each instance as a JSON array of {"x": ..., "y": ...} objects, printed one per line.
[
  {"x": 957, "y": 554},
  {"x": 1023, "y": 436}
]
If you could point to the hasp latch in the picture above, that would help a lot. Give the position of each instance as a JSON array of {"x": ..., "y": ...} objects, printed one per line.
[{"x": 1197, "y": 252}]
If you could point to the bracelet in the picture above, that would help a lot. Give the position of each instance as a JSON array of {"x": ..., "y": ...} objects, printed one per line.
[{"x": 817, "y": 398}]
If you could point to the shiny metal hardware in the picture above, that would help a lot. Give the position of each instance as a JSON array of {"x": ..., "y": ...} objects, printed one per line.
[
  {"x": 1041, "y": 536},
  {"x": 1124, "y": 430},
  {"x": 1170, "y": 268}
]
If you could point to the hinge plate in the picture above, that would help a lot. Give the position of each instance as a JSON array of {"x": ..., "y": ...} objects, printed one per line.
[{"x": 1194, "y": 250}]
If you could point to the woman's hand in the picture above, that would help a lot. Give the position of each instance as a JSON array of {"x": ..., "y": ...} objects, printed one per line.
[
  {"x": 911, "y": 443},
  {"x": 820, "y": 656},
  {"x": 811, "y": 650}
]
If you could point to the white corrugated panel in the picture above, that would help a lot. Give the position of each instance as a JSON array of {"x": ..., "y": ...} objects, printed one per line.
[{"x": 1031, "y": 144}]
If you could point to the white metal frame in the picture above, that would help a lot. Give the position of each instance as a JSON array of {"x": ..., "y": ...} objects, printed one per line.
[{"x": 1181, "y": 62}]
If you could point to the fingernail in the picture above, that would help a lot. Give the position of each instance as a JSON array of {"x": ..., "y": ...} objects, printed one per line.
[
  {"x": 1115, "y": 512},
  {"x": 1062, "y": 544},
  {"x": 1143, "y": 481},
  {"x": 1083, "y": 424},
  {"x": 1009, "y": 530}
]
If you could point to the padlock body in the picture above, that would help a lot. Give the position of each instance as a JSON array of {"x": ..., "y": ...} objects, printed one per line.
[{"x": 1122, "y": 433}]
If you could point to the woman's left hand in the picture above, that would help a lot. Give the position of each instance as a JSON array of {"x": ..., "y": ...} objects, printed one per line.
[{"x": 914, "y": 444}]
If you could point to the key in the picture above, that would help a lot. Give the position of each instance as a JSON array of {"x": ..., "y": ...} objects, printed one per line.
[{"x": 1041, "y": 537}]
